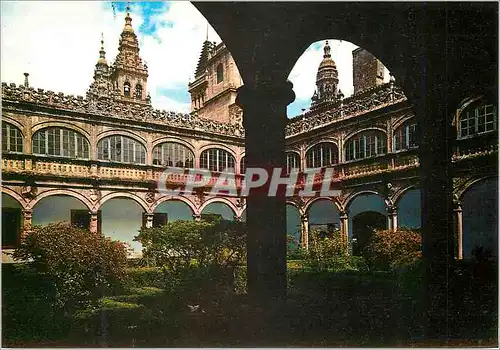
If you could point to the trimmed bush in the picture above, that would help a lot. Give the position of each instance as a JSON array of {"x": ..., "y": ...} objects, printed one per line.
[
  {"x": 389, "y": 249},
  {"x": 82, "y": 266}
]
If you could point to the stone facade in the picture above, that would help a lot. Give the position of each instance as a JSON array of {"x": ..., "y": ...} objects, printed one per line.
[{"x": 378, "y": 117}]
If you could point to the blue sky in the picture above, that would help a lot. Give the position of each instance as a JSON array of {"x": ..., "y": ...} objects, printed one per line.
[{"x": 57, "y": 42}]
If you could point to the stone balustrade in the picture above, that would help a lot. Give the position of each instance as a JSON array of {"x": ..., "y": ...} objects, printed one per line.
[{"x": 48, "y": 166}]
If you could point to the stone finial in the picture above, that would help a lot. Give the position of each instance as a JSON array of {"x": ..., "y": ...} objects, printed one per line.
[{"x": 26, "y": 81}]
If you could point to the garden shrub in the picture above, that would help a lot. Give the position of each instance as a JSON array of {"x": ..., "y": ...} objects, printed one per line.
[
  {"x": 196, "y": 257},
  {"x": 294, "y": 250},
  {"x": 327, "y": 251},
  {"x": 145, "y": 277},
  {"x": 389, "y": 249},
  {"x": 82, "y": 266}
]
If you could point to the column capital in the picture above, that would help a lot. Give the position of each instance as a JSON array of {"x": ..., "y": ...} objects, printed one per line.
[
  {"x": 267, "y": 92},
  {"x": 304, "y": 218},
  {"x": 343, "y": 214},
  {"x": 197, "y": 217}
]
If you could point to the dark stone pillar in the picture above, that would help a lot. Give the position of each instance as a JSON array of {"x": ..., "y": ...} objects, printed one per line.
[
  {"x": 264, "y": 119},
  {"x": 437, "y": 206}
]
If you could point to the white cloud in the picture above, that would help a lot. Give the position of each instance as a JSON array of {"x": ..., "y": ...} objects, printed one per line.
[{"x": 58, "y": 44}]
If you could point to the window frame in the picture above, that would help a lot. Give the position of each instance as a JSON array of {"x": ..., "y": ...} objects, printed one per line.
[
  {"x": 78, "y": 146},
  {"x": 178, "y": 150},
  {"x": 127, "y": 146},
  {"x": 473, "y": 120},
  {"x": 7, "y": 138},
  {"x": 215, "y": 155}
]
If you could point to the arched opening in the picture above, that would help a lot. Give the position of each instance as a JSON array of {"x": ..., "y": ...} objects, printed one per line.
[
  {"x": 366, "y": 144},
  {"x": 61, "y": 142},
  {"x": 293, "y": 225},
  {"x": 322, "y": 155},
  {"x": 217, "y": 159},
  {"x": 11, "y": 221},
  {"x": 12, "y": 139},
  {"x": 123, "y": 149},
  {"x": 480, "y": 217},
  {"x": 409, "y": 210},
  {"x": 243, "y": 165},
  {"x": 173, "y": 154},
  {"x": 361, "y": 227},
  {"x": 122, "y": 218},
  {"x": 292, "y": 162},
  {"x": 364, "y": 225},
  {"x": 323, "y": 215},
  {"x": 61, "y": 208},
  {"x": 126, "y": 89},
  {"x": 220, "y": 73},
  {"x": 217, "y": 209},
  {"x": 138, "y": 92},
  {"x": 174, "y": 210},
  {"x": 405, "y": 136},
  {"x": 329, "y": 71}
]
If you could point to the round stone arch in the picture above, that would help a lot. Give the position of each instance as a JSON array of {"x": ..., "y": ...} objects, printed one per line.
[
  {"x": 354, "y": 133},
  {"x": 217, "y": 145},
  {"x": 220, "y": 200},
  {"x": 185, "y": 200},
  {"x": 169, "y": 139},
  {"x": 348, "y": 201},
  {"x": 142, "y": 203},
  {"x": 479, "y": 204},
  {"x": 10, "y": 120},
  {"x": 122, "y": 132},
  {"x": 322, "y": 140},
  {"x": 50, "y": 124},
  {"x": 20, "y": 199},
  {"x": 309, "y": 203},
  {"x": 464, "y": 188},
  {"x": 62, "y": 192},
  {"x": 408, "y": 208},
  {"x": 403, "y": 119}
]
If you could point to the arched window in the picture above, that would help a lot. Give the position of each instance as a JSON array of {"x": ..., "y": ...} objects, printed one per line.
[
  {"x": 12, "y": 139},
  {"x": 365, "y": 144},
  {"x": 405, "y": 136},
  {"x": 478, "y": 118},
  {"x": 243, "y": 165},
  {"x": 126, "y": 89},
  {"x": 138, "y": 91},
  {"x": 220, "y": 73},
  {"x": 118, "y": 148},
  {"x": 292, "y": 162},
  {"x": 321, "y": 155},
  {"x": 62, "y": 142},
  {"x": 216, "y": 159},
  {"x": 173, "y": 154}
]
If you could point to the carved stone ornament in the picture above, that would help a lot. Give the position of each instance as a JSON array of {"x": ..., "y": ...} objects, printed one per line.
[
  {"x": 29, "y": 191},
  {"x": 150, "y": 197}
]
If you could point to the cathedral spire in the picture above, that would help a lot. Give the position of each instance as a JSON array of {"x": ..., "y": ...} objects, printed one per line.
[
  {"x": 129, "y": 73},
  {"x": 102, "y": 53},
  {"x": 326, "y": 79}
]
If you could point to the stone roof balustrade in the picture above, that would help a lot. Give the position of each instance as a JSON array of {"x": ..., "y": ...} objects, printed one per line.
[
  {"x": 108, "y": 107},
  {"x": 361, "y": 103}
]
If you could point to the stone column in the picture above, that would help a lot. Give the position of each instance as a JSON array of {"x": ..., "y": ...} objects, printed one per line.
[
  {"x": 149, "y": 220},
  {"x": 94, "y": 224},
  {"x": 392, "y": 218},
  {"x": 197, "y": 217},
  {"x": 27, "y": 224},
  {"x": 344, "y": 227},
  {"x": 264, "y": 119},
  {"x": 304, "y": 231},
  {"x": 457, "y": 211}
]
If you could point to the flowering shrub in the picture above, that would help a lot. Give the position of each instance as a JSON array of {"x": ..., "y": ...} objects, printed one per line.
[
  {"x": 81, "y": 265},
  {"x": 389, "y": 249}
]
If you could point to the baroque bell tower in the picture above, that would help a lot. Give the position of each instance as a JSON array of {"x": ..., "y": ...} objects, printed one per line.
[
  {"x": 327, "y": 80},
  {"x": 129, "y": 74}
]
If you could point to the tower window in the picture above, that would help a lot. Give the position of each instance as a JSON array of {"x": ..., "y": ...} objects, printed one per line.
[
  {"x": 138, "y": 91},
  {"x": 126, "y": 89},
  {"x": 220, "y": 73}
]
